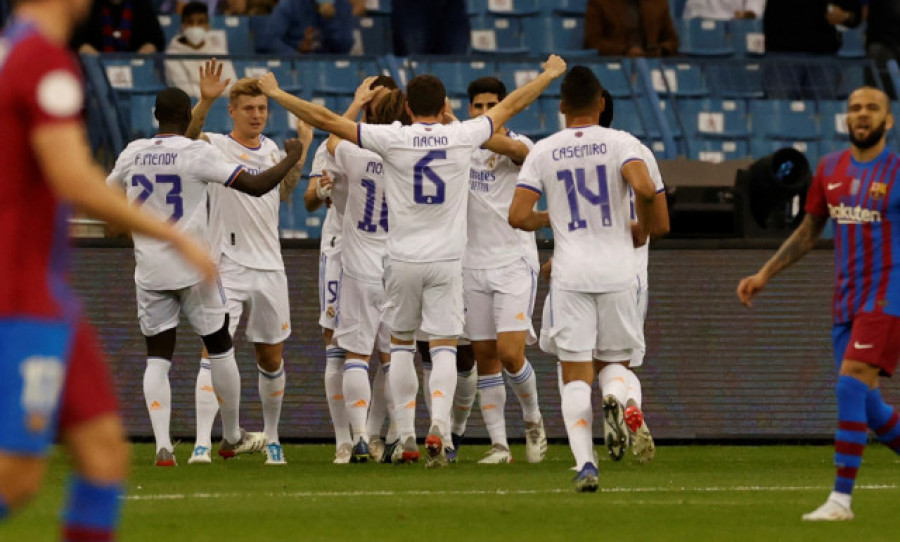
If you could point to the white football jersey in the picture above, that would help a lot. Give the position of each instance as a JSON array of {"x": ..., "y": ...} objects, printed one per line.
[
  {"x": 332, "y": 227},
  {"x": 642, "y": 253},
  {"x": 492, "y": 241},
  {"x": 580, "y": 171},
  {"x": 167, "y": 176},
  {"x": 364, "y": 242},
  {"x": 426, "y": 170},
  {"x": 246, "y": 227}
]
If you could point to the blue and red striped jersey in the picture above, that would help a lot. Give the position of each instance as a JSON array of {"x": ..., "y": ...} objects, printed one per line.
[
  {"x": 40, "y": 85},
  {"x": 863, "y": 199}
]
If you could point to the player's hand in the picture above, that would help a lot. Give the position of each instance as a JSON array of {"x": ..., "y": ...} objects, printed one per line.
[
  {"x": 268, "y": 84},
  {"x": 449, "y": 115},
  {"x": 749, "y": 287},
  {"x": 555, "y": 66},
  {"x": 546, "y": 269},
  {"x": 211, "y": 84},
  {"x": 293, "y": 147},
  {"x": 364, "y": 94},
  {"x": 304, "y": 133},
  {"x": 326, "y": 184},
  {"x": 196, "y": 255}
]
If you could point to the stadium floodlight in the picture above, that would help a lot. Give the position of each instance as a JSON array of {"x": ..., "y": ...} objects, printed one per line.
[{"x": 772, "y": 191}]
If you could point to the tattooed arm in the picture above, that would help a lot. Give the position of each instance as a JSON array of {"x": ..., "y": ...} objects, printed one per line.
[{"x": 795, "y": 247}]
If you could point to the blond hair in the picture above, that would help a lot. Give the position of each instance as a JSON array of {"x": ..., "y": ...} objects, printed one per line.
[{"x": 248, "y": 86}]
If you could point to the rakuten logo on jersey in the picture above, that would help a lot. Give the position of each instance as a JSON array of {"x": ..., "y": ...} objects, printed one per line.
[{"x": 844, "y": 214}]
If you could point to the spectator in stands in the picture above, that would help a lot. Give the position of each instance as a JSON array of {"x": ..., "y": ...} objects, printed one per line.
[
  {"x": 723, "y": 10},
  {"x": 120, "y": 26},
  {"x": 883, "y": 37},
  {"x": 808, "y": 26},
  {"x": 196, "y": 38},
  {"x": 435, "y": 27},
  {"x": 308, "y": 26},
  {"x": 630, "y": 28}
]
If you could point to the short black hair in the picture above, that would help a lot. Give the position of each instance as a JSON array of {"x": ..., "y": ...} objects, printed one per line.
[
  {"x": 580, "y": 88},
  {"x": 606, "y": 116},
  {"x": 173, "y": 106},
  {"x": 192, "y": 8},
  {"x": 425, "y": 95},
  {"x": 385, "y": 81},
  {"x": 486, "y": 85}
]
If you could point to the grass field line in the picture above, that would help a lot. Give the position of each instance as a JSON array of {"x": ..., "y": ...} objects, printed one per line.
[{"x": 499, "y": 492}]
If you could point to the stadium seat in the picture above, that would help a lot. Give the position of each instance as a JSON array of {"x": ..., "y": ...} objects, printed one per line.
[
  {"x": 678, "y": 79},
  {"x": 669, "y": 115},
  {"x": 456, "y": 76},
  {"x": 700, "y": 37},
  {"x": 833, "y": 120},
  {"x": 853, "y": 42},
  {"x": 528, "y": 122},
  {"x": 171, "y": 26},
  {"x": 614, "y": 76},
  {"x": 747, "y": 36},
  {"x": 139, "y": 75},
  {"x": 784, "y": 119},
  {"x": 852, "y": 77},
  {"x": 714, "y": 119},
  {"x": 379, "y": 7},
  {"x": 514, "y": 8},
  {"x": 571, "y": 7},
  {"x": 718, "y": 151},
  {"x": 257, "y": 25},
  {"x": 516, "y": 74},
  {"x": 238, "y": 31},
  {"x": 330, "y": 76},
  {"x": 140, "y": 113},
  {"x": 476, "y": 8},
  {"x": 563, "y": 36},
  {"x": 627, "y": 117},
  {"x": 497, "y": 35},
  {"x": 375, "y": 31},
  {"x": 736, "y": 80},
  {"x": 760, "y": 147},
  {"x": 258, "y": 67}
]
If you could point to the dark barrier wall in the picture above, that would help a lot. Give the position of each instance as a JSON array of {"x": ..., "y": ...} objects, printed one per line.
[{"x": 714, "y": 370}]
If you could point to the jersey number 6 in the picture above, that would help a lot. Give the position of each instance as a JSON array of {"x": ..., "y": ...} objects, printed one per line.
[{"x": 421, "y": 170}]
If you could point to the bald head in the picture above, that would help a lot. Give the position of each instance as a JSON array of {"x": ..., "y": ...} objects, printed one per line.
[{"x": 868, "y": 93}]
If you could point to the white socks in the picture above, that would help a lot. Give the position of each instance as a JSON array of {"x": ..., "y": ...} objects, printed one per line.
[
  {"x": 579, "y": 418},
  {"x": 404, "y": 385},
  {"x": 634, "y": 389},
  {"x": 492, "y": 393},
  {"x": 426, "y": 384},
  {"x": 613, "y": 380},
  {"x": 463, "y": 399},
  {"x": 205, "y": 404},
  {"x": 442, "y": 387},
  {"x": 524, "y": 384},
  {"x": 334, "y": 392},
  {"x": 271, "y": 394},
  {"x": 226, "y": 381},
  {"x": 357, "y": 396},
  {"x": 379, "y": 406},
  {"x": 158, "y": 396},
  {"x": 393, "y": 433}
]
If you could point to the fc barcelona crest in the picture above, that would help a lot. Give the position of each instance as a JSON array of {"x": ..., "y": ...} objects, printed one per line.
[{"x": 878, "y": 191}]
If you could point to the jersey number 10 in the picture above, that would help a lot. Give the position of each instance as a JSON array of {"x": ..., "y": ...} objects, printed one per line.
[
  {"x": 577, "y": 190},
  {"x": 173, "y": 197}
]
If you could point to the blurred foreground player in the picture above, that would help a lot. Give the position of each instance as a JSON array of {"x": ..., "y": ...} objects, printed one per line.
[
  {"x": 53, "y": 380},
  {"x": 856, "y": 188}
]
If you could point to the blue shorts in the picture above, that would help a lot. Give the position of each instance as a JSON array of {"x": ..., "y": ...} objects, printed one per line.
[
  {"x": 840, "y": 338},
  {"x": 34, "y": 357}
]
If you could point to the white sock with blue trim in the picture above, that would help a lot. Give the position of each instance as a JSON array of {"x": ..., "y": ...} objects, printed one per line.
[
  {"x": 404, "y": 385},
  {"x": 334, "y": 393},
  {"x": 205, "y": 404},
  {"x": 357, "y": 395},
  {"x": 492, "y": 396},
  {"x": 158, "y": 396},
  {"x": 442, "y": 386},
  {"x": 524, "y": 385},
  {"x": 271, "y": 394}
]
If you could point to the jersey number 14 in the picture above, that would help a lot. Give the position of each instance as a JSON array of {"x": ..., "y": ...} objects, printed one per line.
[{"x": 577, "y": 191}]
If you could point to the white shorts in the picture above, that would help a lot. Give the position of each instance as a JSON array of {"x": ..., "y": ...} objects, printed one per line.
[
  {"x": 500, "y": 300},
  {"x": 329, "y": 285},
  {"x": 426, "y": 296},
  {"x": 265, "y": 296},
  {"x": 203, "y": 305},
  {"x": 580, "y": 326},
  {"x": 642, "y": 294},
  {"x": 360, "y": 323}
]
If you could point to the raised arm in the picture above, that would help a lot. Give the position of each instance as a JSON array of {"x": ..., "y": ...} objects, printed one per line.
[
  {"x": 286, "y": 188},
  {"x": 211, "y": 87},
  {"x": 520, "y": 98},
  {"x": 794, "y": 247},
  {"x": 316, "y": 115},
  {"x": 261, "y": 183},
  {"x": 63, "y": 152},
  {"x": 502, "y": 144},
  {"x": 361, "y": 97}
]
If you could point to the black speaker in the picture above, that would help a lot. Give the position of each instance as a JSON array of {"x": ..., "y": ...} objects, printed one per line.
[{"x": 770, "y": 195}]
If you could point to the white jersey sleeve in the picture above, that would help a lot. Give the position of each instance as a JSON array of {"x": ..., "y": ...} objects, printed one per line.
[
  {"x": 332, "y": 227},
  {"x": 580, "y": 171},
  {"x": 642, "y": 253}
]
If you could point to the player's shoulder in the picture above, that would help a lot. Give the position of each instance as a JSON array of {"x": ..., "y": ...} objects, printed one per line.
[
  {"x": 266, "y": 145},
  {"x": 829, "y": 163},
  {"x": 520, "y": 137}
]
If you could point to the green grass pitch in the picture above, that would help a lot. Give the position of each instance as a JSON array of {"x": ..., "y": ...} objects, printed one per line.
[{"x": 687, "y": 493}]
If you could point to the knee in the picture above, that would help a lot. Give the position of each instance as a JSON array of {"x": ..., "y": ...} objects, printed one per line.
[
  {"x": 511, "y": 356},
  {"x": 269, "y": 358},
  {"x": 465, "y": 358},
  {"x": 108, "y": 462},
  {"x": 20, "y": 480},
  {"x": 220, "y": 341}
]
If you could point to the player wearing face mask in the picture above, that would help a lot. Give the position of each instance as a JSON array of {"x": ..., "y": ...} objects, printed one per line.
[{"x": 196, "y": 38}]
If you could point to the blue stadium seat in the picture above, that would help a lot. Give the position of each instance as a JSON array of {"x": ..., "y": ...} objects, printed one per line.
[
  {"x": 747, "y": 36},
  {"x": 476, "y": 8},
  {"x": 736, "y": 80},
  {"x": 853, "y": 42},
  {"x": 501, "y": 35},
  {"x": 714, "y": 119},
  {"x": 516, "y": 74},
  {"x": 171, "y": 26},
  {"x": 456, "y": 76},
  {"x": 238, "y": 31},
  {"x": 330, "y": 76},
  {"x": 553, "y": 119},
  {"x": 669, "y": 114},
  {"x": 570, "y": 7},
  {"x": 379, "y": 7},
  {"x": 218, "y": 119},
  {"x": 257, "y": 25},
  {"x": 833, "y": 120},
  {"x": 764, "y": 147},
  {"x": 557, "y": 35},
  {"x": 678, "y": 79},
  {"x": 281, "y": 68},
  {"x": 514, "y": 8},
  {"x": 375, "y": 31},
  {"x": 614, "y": 76},
  {"x": 140, "y": 75},
  {"x": 528, "y": 122},
  {"x": 852, "y": 77},
  {"x": 140, "y": 114},
  {"x": 718, "y": 150},
  {"x": 701, "y": 37},
  {"x": 784, "y": 119},
  {"x": 628, "y": 118}
]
